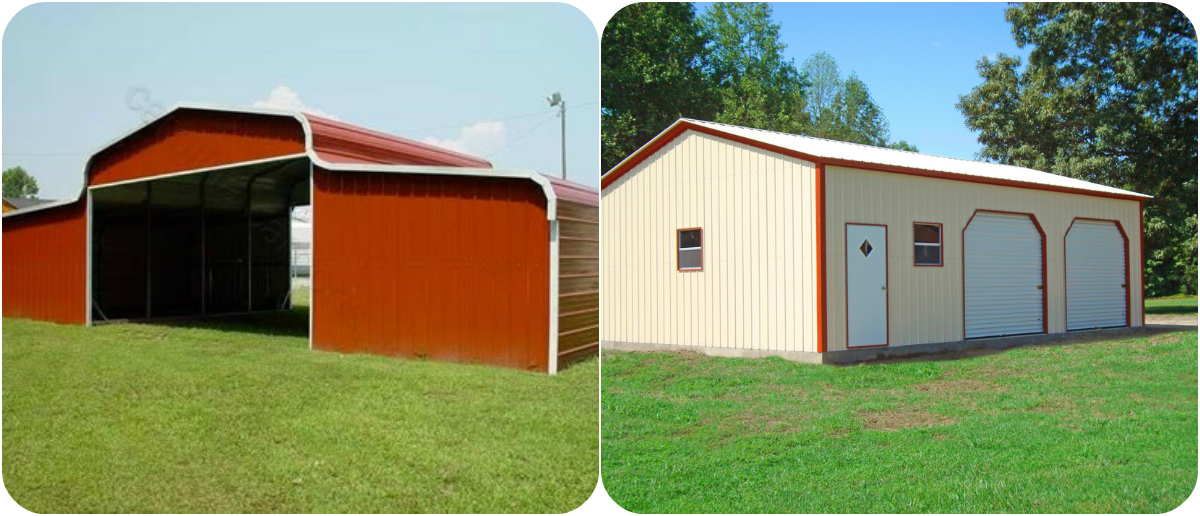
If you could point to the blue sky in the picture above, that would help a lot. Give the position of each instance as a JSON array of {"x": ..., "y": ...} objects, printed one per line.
[
  {"x": 471, "y": 76},
  {"x": 915, "y": 58}
]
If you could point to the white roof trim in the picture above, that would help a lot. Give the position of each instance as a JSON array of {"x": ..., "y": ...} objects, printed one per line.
[{"x": 832, "y": 149}]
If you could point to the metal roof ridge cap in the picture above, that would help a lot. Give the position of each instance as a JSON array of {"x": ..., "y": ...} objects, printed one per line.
[
  {"x": 889, "y": 149},
  {"x": 374, "y": 133}
]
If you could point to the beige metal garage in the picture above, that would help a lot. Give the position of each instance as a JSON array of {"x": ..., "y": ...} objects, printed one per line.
[{"x": 748, "y": 242}]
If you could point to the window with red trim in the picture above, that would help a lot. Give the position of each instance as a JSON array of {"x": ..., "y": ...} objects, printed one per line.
[
  {"x": 927, "y": 244},
  {"x": 690, "y": 254}
]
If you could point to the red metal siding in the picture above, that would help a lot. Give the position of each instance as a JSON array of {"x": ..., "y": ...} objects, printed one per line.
[
  {"x": 45, "y": 264},
  {"x": 443, "y": 267},
  {"x": 337, "y": 142},
  {"x": 189, "y": 139}
]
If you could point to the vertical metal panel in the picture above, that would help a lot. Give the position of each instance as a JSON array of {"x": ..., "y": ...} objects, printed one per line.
[
  {"x": 757, "y": 289},
  {"x": 192, "y": 139},
  {"x": 579, "y": 273},
  {"x": 1097, "y": 275},
  {"x": 927, "y": 302},
  {"x": 450, "y": 268},
  {"x": 45, "y": 264}
]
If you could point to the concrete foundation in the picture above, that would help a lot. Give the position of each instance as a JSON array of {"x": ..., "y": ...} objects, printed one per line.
[{"x": 866, "y": 354}]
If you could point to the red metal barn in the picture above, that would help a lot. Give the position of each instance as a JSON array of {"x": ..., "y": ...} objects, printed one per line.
[{"x": 417, "y": 251}]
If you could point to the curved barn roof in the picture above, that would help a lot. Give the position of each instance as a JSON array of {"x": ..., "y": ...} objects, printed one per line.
[
  {"x": 339, "y": 146},
  {"x": 856, "y": 155}
]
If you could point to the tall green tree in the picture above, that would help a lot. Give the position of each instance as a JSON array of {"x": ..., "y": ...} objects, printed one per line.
[
  {"x": 857, "y": 118},
  {"x": 654, "y": 69},
  {"x": 757, "y": 86},
  {"x": 19, "y": 183},
  {"x": 1109, "y": 96},
  {"x": 843, "y": 109},
  {"x": 824, "y": 82}
]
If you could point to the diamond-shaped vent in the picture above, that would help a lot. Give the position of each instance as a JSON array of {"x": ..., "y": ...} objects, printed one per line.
[{"x": 866, "y": 248}]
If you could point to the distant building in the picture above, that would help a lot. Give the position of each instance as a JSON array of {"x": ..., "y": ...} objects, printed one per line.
[
  {"x": 301, "y": 241},
  {"x": 17, "y": 203}
]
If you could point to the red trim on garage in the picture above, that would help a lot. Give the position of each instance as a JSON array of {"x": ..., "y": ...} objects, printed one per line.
[
  {"x": 822, "y": 293},
  {"x": 1142, "y": 255},
  {"x": 1128, "y": 296},
  {"x": 1045, "y": 287},
  {"x": 681, "y": 126}
]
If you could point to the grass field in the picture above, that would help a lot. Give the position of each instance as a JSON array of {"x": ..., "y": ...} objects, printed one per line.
[
  {"x": 1086, "y": 427},
  {"x": 1171, "y": 305},
  {"x": 242, "y": 417}
]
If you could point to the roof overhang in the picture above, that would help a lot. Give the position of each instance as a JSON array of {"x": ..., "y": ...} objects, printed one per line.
[{"x": 683, "y": 125}]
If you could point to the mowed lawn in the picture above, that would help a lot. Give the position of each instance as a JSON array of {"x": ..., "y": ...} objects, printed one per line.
[
  {"x": 1171, "y": 305},
  {"x": 231, "y": 417},
  {"x": 1087, "y": 427}
]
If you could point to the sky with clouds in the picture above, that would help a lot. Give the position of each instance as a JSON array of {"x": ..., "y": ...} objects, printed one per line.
[{"x": 472, "y": 77}]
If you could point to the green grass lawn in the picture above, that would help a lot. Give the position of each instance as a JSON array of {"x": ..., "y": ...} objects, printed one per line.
[
  {"x": 234, "y": 417},
  {"x": 1171, "y": 305},
  {"x": 1087, "y": 427}
]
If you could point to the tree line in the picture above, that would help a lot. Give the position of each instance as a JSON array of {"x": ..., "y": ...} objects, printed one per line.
[
  {"x": 661, "y": 62},
  {"x": 1108, "y": 95}
]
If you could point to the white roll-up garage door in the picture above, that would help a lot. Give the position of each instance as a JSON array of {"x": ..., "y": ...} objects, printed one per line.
[
  {"x": 1002, "y": 259},
  {"x": 1096, "y": 275}
]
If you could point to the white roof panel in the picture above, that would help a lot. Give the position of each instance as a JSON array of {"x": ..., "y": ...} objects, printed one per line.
[{"x": 832, "y": 149}]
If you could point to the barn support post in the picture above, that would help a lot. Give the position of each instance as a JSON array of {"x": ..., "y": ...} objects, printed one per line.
[
  {"x": 287, "y": 296},
  {"x": 312, "y": 246},
  {"x": 552, "y": 368},
  {"x": 203, "y": 246},
  {"x": 250, "y": 245},
  {"x": 149, "y": 247},
  {"x": 87, "y": 304},
  {"x": 250, "y": 234}
]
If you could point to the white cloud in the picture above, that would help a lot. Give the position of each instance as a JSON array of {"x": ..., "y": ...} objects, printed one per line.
[
  {"x": 283, "y": 97},
  {"x": 478, "y": 139}
]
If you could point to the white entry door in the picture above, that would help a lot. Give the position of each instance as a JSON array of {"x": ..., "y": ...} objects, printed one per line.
[{"x": 866, "y": 285}]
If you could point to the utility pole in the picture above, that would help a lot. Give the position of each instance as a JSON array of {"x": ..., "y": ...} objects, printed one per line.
[{"x": 557, "y": 100}]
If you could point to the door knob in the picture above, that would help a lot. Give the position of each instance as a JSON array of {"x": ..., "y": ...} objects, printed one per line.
[
  {"x": 884, "y": 287},
  {"x": 1039, "y": 287}
]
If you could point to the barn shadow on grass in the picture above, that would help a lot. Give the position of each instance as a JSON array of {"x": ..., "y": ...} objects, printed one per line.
[
  {"x": 283, "y": 323},
  {"x": 290, "y": 322}
]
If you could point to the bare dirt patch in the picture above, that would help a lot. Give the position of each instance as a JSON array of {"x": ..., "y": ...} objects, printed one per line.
[
  {"x": 891, "y": 420},
  {"x": 1171, "y": 319},
  {"x": 958, "y": 386},
  {"x": 1166, "y": 338}
]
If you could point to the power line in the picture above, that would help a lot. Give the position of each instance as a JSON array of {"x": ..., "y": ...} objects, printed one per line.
[
  {"x": 523, "y": 135},
  {"x": 502, "y": 119}
]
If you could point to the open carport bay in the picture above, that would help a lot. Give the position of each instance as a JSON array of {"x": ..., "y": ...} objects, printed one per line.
[{"x": 213, "y": 242}]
